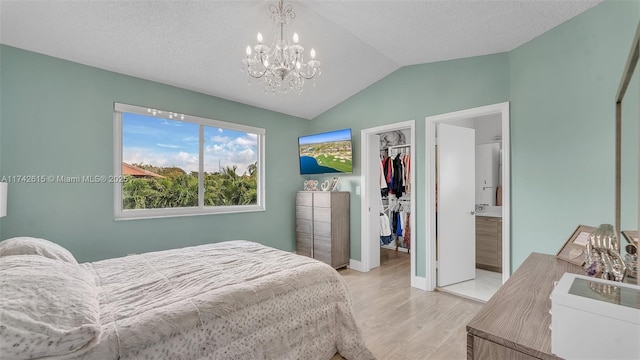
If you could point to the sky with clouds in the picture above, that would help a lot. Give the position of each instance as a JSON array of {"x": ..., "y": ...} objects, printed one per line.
[
  {"x": 331, "y": 136},
  {"x": 164, "y": 143}
]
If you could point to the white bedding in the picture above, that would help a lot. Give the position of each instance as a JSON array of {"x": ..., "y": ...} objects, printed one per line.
[
  {"x": 231, "y": 300},
  {"x": 48, "y": 307}
]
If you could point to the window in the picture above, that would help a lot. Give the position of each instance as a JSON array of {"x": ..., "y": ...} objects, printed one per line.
[{"x": 171, "y": 164}]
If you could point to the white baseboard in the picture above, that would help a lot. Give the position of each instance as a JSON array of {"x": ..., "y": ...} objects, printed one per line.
[
  {"x": 393, "y": 247},
  {"x": 356, "y": 265}
]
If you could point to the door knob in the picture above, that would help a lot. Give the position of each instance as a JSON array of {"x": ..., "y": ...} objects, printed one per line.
[{"x": 472, "y": 213}]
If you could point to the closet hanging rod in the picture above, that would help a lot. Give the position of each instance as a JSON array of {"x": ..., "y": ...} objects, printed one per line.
[{"x": 398, "y": 149}]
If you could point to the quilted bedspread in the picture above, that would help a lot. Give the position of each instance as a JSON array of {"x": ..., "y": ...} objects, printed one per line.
[{"x": 231, "y": 300}]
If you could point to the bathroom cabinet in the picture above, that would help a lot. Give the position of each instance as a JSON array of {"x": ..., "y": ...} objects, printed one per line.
[{"x": 489, "y": 243}]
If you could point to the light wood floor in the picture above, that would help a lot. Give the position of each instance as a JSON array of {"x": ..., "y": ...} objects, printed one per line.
[{"x": 402, "y": 322}]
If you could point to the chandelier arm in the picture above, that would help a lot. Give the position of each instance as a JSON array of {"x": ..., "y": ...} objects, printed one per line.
[
  {"x": 309, "y": 76},
  {"x": 258, "y": 74}
]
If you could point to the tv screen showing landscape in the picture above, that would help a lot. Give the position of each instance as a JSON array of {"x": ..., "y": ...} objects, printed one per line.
[{"x": 324, "y": 153}]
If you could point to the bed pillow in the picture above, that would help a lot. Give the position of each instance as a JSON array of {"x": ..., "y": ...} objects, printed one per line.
[
  {"x": 35, "y": 246},
  {"x": 49, "y": 308}
]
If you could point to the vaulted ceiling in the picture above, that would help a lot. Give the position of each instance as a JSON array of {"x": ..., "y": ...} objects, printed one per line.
[{"x": 199, "y": 45}]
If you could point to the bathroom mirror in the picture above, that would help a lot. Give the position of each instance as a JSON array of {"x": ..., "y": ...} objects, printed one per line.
[{"x": 627, "y": 148}]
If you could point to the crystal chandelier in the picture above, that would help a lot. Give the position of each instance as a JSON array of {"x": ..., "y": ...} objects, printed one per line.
[{"x": 281, "y": 67}]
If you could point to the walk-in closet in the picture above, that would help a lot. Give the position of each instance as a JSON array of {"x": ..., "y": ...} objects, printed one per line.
[{"x": 395, "y": 192}]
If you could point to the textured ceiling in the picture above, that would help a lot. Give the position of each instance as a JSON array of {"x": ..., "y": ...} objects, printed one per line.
[{"x": 198, "y": 45}]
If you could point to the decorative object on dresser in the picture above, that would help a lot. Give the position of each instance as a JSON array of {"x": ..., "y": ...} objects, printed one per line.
[
  {"x": 333, "y": 185},
  {"x": 330, "y": 185},
  {"x": 603, "y": 258},
  {"x": 322, "y": 226},
  {"x": 574, "y": 250},
  {"x": 311, "y": 185},
  {"x": 595, "y": 319},
  {"x": 631, "y": 257},
  {"x": 325, "y": 185}
]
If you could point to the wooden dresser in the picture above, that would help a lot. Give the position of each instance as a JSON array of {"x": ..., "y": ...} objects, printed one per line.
[
  {"x": 322, "y": 226},
  {"x": 514, "y": 324}
]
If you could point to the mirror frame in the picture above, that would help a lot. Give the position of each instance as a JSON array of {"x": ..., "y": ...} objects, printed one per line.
[{"x": 629, "y": 68}]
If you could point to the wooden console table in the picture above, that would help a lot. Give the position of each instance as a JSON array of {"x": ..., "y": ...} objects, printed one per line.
[{"x": 514, "y": 324}]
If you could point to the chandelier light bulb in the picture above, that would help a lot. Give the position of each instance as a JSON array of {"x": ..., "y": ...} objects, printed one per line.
[
  {"x": 295, "y": 38},
  {"x": 313, "y": 53},
  {"x": 260, "y": 38},
  {"x": 298, "y": 65},
  {"x": 248, "y": 50}
]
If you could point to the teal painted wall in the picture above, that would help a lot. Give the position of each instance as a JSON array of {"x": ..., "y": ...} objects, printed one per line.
[
  {"x": 56, "y": 118},
  {"x": 563, "y": 87},
  {"x": 412, "y": 93}
]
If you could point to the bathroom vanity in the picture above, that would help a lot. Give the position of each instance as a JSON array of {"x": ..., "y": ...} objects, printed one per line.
[{"x": 489, "y": 241}]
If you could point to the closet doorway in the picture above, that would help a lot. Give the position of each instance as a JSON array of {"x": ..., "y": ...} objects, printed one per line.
[
  {"x": 371, "y": 206},
  {"x": 441, "y": 258}
]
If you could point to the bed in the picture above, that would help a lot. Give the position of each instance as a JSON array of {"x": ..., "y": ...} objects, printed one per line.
[{"x": 230, "y": 300}]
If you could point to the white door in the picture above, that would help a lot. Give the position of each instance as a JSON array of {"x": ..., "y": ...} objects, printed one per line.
[
  {"x": 456, "y": 228},
  {"x": 373, "y": 199}
]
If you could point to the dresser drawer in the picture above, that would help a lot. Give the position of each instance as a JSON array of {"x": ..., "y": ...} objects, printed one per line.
[
  {"x": 304, "y": 212},
  {"x": 304, "y": 226},
  {"x": 324, "y": 256},
  {"x": 322, "y": 199},
  {"x": 322, "y": 243},
  {"x": 304, "y": 242},
  {"x": 304, "y": 198},
  {"x": 322, "y": 228},
  {"x": 322, "y": 214}
]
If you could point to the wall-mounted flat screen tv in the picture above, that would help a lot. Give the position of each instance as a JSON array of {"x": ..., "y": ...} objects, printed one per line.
[{"x": 324, "y": 153}]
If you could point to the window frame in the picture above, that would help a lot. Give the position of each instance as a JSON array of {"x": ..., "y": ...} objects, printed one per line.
[{"x": 130, "y": 214}]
